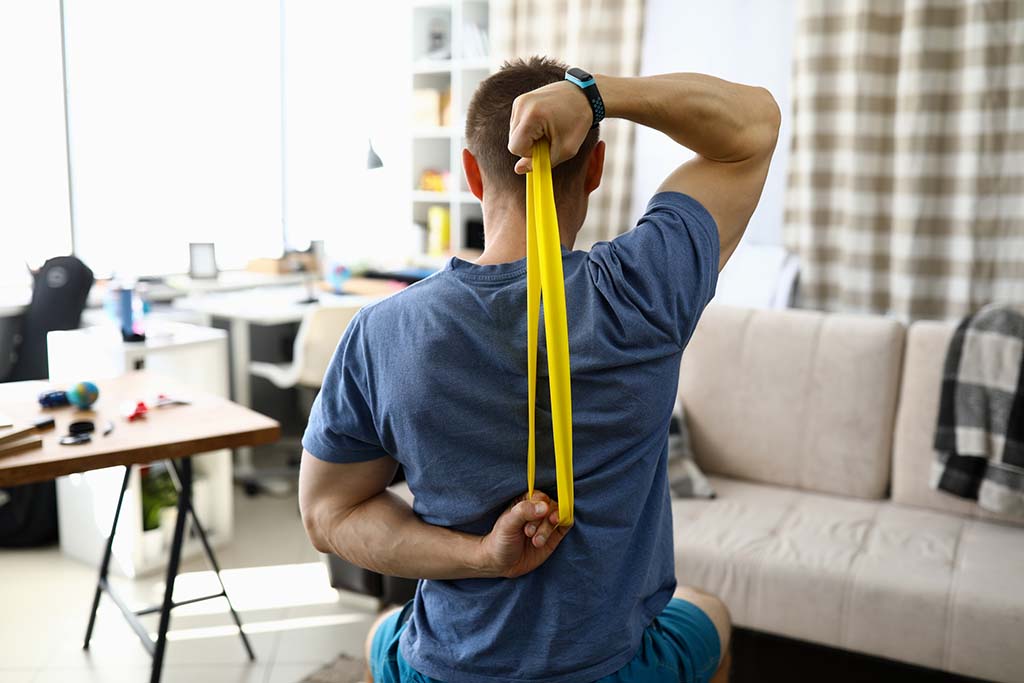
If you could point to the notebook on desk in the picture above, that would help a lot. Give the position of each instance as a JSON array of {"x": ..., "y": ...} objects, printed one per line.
[{"x": 18, "y": 439}]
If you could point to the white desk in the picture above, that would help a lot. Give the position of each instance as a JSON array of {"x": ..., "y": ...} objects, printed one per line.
[
  {"x": 233, "y": 280},
  {"x": 14, "y": 300},
  {"x": 175, "y": 286},
  {"x": 191, "y": 354},
  {"x": 264, "y": 306}
]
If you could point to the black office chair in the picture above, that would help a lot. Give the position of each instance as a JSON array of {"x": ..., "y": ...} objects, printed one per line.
[
  {"x": 59, "y": 293},
  {"x": 28, "y": 514}
]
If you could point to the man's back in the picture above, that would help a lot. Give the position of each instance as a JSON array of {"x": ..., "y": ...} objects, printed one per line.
[{"x": 436, "y": 377}]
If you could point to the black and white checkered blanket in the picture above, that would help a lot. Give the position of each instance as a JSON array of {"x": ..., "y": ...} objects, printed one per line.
[{"x": 979, "y": 439}]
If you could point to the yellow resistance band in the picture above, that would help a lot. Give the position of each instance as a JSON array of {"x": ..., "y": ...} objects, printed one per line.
[{"x": 544, "y": 274}]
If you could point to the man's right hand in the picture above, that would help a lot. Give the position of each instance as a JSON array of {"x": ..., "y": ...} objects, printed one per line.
[
  {"x": 523, "y": 537},
  {"x": 732, "y": 128},
  {"x": 558, "y": 112}
]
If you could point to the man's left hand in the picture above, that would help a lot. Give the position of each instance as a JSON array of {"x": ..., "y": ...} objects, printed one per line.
[{"x": 523, "y": 538}]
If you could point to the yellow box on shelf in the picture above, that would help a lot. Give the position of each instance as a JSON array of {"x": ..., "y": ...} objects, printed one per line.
[{"x": 438, "y": 230}]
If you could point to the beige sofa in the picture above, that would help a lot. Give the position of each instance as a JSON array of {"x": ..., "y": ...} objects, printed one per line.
[{"x": 816, "y": 430}]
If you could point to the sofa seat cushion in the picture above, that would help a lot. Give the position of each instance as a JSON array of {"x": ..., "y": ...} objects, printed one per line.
[{"x": 909, "y": 584}]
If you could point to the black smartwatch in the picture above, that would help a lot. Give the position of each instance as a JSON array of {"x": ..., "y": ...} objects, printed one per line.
[{"x": 588, "y": 85}]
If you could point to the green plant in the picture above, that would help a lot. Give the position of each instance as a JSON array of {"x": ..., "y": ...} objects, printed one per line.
[{"x": 158, "y": 492}]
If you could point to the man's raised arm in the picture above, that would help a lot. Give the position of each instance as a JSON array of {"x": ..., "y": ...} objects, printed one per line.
[{"x": 732, "y": 128}]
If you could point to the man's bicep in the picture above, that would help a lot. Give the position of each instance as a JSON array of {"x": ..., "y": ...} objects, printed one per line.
[
  {"x": 342, "y": 485},
  {"x": 728, "y": 190}
]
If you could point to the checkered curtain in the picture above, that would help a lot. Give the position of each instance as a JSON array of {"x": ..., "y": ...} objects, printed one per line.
[
  {"x": 601, "y": 36},
  {"x": 906, "y": 180}
]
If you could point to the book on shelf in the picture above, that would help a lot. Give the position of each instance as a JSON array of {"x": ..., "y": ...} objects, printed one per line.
[{"x": 475, "y": 43}]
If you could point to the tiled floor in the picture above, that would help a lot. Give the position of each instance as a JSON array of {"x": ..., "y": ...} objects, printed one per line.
[{"x": 295, "y": 621}]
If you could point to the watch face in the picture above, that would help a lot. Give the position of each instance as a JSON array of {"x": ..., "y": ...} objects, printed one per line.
[{"x": 579, "y": 73}]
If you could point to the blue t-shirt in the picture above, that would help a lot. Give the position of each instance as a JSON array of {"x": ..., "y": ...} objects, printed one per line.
[{"x": 435, "y": 377}]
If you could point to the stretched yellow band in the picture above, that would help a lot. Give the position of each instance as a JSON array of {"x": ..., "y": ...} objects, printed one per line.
[{"x": 544, "y": 275}]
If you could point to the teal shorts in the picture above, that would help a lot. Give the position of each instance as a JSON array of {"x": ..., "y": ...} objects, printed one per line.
[{"x": 681, "y": 644}]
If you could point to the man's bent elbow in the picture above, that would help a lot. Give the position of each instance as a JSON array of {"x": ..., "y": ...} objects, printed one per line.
[
  {"x": 314, "y": 519},
  {"x": 770, "y": 119},
  {"x": 758, "y": 119}
]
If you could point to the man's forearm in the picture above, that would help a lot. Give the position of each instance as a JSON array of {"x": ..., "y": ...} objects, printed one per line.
[
  {"x": 384, "y": 535},
  {"x": 717, "y": 119}
]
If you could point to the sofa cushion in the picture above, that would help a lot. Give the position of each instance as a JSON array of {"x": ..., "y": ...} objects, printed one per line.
[
  {"x": 913, "y": 585},
  {"x": 916, "y": 416},
  {"x": 795, "y": 398}
]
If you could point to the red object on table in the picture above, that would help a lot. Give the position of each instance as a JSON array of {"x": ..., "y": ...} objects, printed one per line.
[{"x": 139, "y": 412}]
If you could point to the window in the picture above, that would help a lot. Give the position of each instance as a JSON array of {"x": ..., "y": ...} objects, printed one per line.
[
  {"x": 34, "y": 216},
  {"x": 174, "y": 111},
  {"x": 183, "y": 128}
]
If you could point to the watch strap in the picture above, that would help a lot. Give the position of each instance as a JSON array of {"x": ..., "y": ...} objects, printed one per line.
[{"x": 586, "y": 82}]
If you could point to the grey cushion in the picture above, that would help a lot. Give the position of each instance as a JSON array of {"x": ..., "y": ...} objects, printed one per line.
[{"x": 684, "y": 477}]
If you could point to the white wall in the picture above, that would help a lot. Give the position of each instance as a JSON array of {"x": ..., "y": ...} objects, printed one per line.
[{"x": 747, "y": 41}]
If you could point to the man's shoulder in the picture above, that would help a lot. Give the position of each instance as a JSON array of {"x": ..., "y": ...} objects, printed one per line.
[{"x": 394, "y": 308}]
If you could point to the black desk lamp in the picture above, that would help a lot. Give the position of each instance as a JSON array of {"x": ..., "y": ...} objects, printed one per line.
[{"x": 372, "y": 159}]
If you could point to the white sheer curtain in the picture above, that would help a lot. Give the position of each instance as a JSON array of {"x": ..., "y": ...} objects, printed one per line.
[
  {"x": 175, "y": 131},
  {"x": 34, "y": 217},
  {"x": 184, "y": 127}
]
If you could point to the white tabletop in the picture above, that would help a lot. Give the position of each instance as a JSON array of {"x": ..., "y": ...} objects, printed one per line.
[
  {"x": 159, "y": 335},
  {"x": 266, "y": 305},
  {"x": 14, "y": 300},
  {"x": 232, "y": 280}
]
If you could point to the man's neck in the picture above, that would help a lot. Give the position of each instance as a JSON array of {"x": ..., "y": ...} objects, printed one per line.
[{"x": 505, "y": 235}]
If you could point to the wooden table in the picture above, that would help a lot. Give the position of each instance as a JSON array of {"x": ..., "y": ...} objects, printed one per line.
[{"x": 173, "y": 433}]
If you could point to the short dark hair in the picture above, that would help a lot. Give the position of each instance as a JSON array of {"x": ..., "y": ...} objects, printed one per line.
[{"x": 489, "y": 114}]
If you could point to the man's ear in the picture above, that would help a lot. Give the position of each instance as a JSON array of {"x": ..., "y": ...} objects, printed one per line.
[
  {"x": 473, "y": 178},
  {"x": 595, "y": 168}
]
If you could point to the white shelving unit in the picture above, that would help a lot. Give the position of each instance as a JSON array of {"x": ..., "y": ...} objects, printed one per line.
[{"x": 440, "y": 147}]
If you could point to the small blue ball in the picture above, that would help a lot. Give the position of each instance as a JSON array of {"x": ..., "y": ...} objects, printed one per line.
[{"x": 83, "y": 394}]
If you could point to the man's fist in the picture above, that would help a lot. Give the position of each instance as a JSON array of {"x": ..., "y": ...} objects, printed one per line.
[
  {"x": 558, "y": 112},
  {"x": 523, "y": 537}
]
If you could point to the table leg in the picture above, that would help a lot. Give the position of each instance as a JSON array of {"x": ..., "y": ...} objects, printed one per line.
[
  {"x": 198, "y": 526},
  {"x": 105, "y": 564},
  {"x": 172, "y": 569},
  {"x": 240, "y": 357},
  {"x": 241, "y": 385}
]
